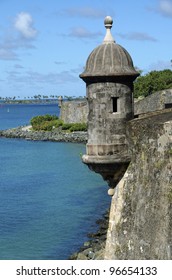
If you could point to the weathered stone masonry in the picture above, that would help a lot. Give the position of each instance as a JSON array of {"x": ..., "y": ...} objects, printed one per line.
[
  {"x": 140, "y": 225},
  {"x": 109, "y": 76},
  {"x": 74, "y": 111}
]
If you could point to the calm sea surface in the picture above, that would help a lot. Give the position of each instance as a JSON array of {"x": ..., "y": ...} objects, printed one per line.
[{"x": 49, "y": 198}]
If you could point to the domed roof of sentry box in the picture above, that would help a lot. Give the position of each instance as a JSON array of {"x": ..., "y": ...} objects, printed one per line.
[{"x": 109, "y": 59}]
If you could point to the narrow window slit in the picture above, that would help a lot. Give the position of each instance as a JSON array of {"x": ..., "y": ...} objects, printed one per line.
[
  {"x": 115, "y": 104},
  {"x": 168, "y": 105}
]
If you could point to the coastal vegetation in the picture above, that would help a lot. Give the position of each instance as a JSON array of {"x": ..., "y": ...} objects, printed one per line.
[
  {"x": 152, "y": 82},
  {"x": 51, "y": 122},
  {"x": 74, "y": 127}
]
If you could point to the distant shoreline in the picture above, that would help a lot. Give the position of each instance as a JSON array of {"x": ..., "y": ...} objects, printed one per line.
[
  {"x": 38, "y": 101},
  {"x": 25, "y": 102}
]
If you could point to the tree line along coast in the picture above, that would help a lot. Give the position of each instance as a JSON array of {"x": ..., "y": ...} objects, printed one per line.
[
  {"x": 37, "y": 99},
  {"x": 143, "y": 86}
]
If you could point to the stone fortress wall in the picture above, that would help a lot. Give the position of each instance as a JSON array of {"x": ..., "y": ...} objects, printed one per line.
[
  {"x": 77, "y": 111},
  {"x": 130, "y": 146},
  {"x": 157, "y": 101},
  {"x": 140, "y": 223},
  {"x": 74, "y": 111}
]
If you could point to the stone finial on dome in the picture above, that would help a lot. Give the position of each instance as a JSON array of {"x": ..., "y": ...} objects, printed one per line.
[{"x": 108, "y": 24}]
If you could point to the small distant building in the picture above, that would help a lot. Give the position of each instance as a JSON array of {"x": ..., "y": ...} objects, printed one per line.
[{"x": 60, "y": 100}]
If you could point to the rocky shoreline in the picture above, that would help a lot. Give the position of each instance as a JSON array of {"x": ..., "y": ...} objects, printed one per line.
[
  {"x": 93, "y": 249},
  {"x": 56, "y": 135}
]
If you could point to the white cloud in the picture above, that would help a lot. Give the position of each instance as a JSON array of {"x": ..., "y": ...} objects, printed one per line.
[
  {"x": 18, "y": 66},
  {"x": 85, "y": 12},
  {"x": 160, "y": 65},
  {"x": 36, "y": 78},
  {"x": 7, "y": 54},
  {"x": 165, "y": 7},
  {"x": 10, "y": 45},
  {"x": 138, "y": 36},
  {"x": 12, "y": 42},
  {"x": 59, "y": 62},
  {"x": 24, "y": 25},
  {"x": 81, "y": 32}
]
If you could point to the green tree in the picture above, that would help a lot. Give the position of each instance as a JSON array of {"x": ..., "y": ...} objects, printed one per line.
[
  {"x": 38, "y": 121},
  {"x": 152, "y": 82}
]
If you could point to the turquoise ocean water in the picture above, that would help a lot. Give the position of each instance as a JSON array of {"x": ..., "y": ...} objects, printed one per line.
[{"x": 49, "y": 198}]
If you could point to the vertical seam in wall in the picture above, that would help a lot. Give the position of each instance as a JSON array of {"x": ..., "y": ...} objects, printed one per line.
[
  {"x": 103, "y": 60},
  {"x": 112, "y": 59},
  {"x": 95, "y": 59}
]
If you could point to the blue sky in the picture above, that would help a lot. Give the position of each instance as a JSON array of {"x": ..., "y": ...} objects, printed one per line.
[{"x": 44, "y": 44}]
